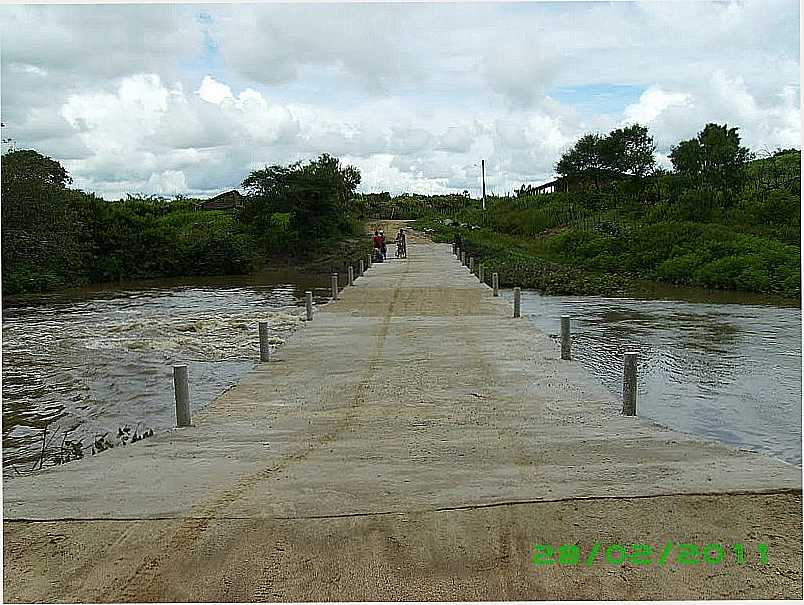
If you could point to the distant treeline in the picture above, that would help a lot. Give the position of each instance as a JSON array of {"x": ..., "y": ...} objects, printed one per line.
[
  {"x": 54, "y": 236},
  {"x": 410, "y": 205}
]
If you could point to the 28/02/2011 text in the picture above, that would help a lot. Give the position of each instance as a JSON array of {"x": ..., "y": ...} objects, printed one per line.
[{"x": 646, "y": 554}]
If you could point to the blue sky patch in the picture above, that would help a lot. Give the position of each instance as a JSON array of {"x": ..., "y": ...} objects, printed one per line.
[{"x": 598, "y": 98}]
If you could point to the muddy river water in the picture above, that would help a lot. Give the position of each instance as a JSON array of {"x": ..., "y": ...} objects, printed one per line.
[
  {"x": 727, "y": 371},
  {"x": 92, "y": 361},
  {"x": 95, "y": 360}
]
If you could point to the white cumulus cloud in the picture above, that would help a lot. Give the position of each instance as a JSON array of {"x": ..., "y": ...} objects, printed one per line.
[{"x": 413, "y": 94}]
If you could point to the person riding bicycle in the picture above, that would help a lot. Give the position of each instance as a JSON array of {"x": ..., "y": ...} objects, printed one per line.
[{"x": 401, "y": 245}]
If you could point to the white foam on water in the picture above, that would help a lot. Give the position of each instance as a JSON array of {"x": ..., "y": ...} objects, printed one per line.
[
  {"x": 206, "y": 336},
  {"x": 92, "y": 372}
]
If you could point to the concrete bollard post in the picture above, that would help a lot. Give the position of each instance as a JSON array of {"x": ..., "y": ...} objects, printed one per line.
[
  {"x": 565, "y": 337},
  {"x": 454, "y": 247},
  {"x": 471, "y": 264},
  {"x": 369, "y": 261},
  {"x": 334, "y": 285},
  {"x": 265, "y": 349},
  {"x": 517, "y": 299},
  {"x": 181, "y": 388},
  {"x": 351, "y": 275},
  {"x": 463, "y": 258},
  {"x": 362, "y": 268},
  {"x": 630, "y": 384},
  {"x": 495, "y": 283},
  {"x": 480, "y": 273},
  {"x": 308, "y": 302},
  {"x": 458, "y": 252}
]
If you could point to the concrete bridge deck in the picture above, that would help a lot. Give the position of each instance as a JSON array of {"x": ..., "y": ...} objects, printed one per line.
[{"x": 414, "y": 441}]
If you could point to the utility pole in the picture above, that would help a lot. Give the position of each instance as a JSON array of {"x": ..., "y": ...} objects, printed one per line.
[{"x": 483, "y": 178}]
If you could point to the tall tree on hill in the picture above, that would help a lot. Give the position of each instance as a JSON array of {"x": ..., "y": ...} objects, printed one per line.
[
  {"x": 715, "y": 156},
  {"x": 626, "y": 150},
  {"x": 629, "y": 151},
  {"x": 586, "y": 154},
  {"x": 30, "y": 166}
]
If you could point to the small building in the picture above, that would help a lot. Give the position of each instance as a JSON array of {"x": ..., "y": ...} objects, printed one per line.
[
  {"x": 560, "y": 184},
  {"x": 228, "y": 200},
  {"x": 592, "y": 178}
]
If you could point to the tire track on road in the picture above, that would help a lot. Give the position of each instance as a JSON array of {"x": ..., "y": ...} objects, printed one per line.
[{"x": 138, "y": 585}]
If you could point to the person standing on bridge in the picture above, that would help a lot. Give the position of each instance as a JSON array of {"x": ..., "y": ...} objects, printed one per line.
[
  {"x": 383, "y": 247},
  {"x": 377, "y": 252}
]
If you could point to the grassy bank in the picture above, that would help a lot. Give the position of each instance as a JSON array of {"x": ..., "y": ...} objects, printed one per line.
[
  {"x": 523, "y": 262},
  {"x": 578, "y": 261},
  {"x": 665, "y": 228}
]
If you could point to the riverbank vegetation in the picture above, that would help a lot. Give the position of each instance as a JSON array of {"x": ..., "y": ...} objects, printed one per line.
[
  {"x": 54, "y": 236},
  {"x": 721, "y": 219}
]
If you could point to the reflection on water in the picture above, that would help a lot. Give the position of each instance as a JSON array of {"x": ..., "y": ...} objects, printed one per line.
[
  {"x": 93, "y": 360},
  {"x": 730, "y": 372}
]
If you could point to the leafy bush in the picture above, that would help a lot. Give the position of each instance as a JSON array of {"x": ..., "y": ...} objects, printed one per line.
[{"x": 54, "y": 237}]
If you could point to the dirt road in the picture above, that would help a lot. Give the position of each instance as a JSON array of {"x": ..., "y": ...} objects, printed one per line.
[{"x": 413, "y": 442}]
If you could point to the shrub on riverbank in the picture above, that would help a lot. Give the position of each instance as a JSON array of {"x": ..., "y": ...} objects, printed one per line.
[
  {"x": 522, "y": 263},
  {"x": 666, "y": 228},
  {"x": 578, "y": 261},
  {"x": 56, "y": 237}
]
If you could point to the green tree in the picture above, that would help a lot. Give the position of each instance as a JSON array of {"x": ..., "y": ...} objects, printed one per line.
[
  {"x": 586, "y": 154},
  {"x": 715, "y": 156},
  {"x": 29, "y": 165},
  {"x": 316, "y": 195},
  {"x": 43, "y": 238},
  {"x": 626, "y": 150},
  {"x": 629, "y": 151},
  {"x": 686, "y": 157}
]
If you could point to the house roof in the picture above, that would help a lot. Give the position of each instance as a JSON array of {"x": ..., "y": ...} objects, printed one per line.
[
  {"x": 227, "y": 199},
  {"x": 225, "y": 194}
]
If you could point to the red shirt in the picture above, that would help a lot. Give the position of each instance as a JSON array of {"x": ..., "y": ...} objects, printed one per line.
[{"x": 377, "y": 241}]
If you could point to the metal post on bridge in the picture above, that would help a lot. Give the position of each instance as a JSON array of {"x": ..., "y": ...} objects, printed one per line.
[
  {"x": 308, "y": 303},
  {"x": 480, "y": 273},
  {"x": 181, "y": 388},
  {"x": 334, "y": 285},
  {"x": 630, "y": 384},
  {"x": 265, "y": 349},
  {"x": 565, "y": 337},
  {"x": 361, "y": 268},
  {"x": 471, "y": 264},
  {"x": 517, "y": 299},
  {"x": 351, "y": 275},
  {"x": 495, "y": 283}
]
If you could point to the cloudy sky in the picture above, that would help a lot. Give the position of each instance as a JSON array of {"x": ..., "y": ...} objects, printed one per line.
[{"x": 189, "y": 98}]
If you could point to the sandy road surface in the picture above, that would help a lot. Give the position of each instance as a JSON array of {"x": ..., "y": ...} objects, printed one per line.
[{"x": 412, "y": 442}]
